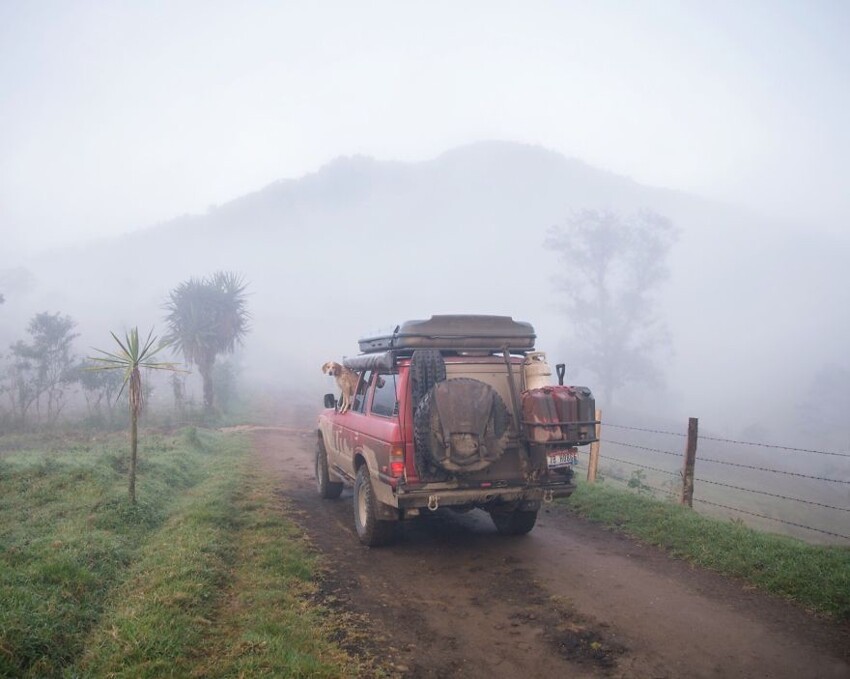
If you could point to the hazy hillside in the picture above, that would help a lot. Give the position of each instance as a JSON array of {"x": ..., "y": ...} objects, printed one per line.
[{"x": 755, "y": 309}]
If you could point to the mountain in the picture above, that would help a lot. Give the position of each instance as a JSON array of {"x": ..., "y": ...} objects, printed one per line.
[{"x": 755, "y": 309}]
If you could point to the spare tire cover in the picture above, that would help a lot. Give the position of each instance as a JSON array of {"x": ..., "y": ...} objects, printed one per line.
[{"x": 461, "y": 425}]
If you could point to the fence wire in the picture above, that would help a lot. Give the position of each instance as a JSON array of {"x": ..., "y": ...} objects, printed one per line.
[
  {"x": 725, "y": 440},
  {"x": 773, "y": 471},
  {"x": 643, "y": 484},
  {"x": 633, "y": 445},
  {"x": 770, "y": 445},
  {"x": 650, "y": 431},
  {"x": 740, "y": 465},
  {"x": 636, "y": 464},
  {"x": 772, "y": 518},
  {"x": 781, "y": 497},
  {"x": 726, "y": 462}
]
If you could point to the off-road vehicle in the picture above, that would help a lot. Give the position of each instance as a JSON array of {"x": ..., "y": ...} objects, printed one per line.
[{"x": 454, "y": 411}]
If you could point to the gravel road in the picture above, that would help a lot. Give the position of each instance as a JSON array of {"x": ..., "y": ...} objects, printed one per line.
[{"x": 454, "y": 599}]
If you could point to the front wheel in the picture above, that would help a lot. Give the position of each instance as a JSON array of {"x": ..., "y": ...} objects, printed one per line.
[
  {"x": 330, "y": 490},
  {"x": 516, "y": 522},
  {"x": 372, "y": 531}
]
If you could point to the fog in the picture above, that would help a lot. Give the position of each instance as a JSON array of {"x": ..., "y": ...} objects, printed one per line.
[{"x": 363, "y": 166}]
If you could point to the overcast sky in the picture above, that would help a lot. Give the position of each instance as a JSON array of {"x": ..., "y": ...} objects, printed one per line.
[{"x": 116, "y": 115}]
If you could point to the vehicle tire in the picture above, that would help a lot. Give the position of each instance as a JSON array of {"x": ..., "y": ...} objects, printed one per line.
[
  {"x": 371, "y": 531},
  {"x": 427, "y": 463},
  {"x": 426, "y": 369},
  {"x": 330, "y": 490},
  {"x": 516, "y": 522}
]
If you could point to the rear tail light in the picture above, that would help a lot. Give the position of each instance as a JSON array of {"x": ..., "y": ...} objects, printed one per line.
[{"x": 397, "y": 462}]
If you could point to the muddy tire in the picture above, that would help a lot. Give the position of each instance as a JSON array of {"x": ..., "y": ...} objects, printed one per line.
[
  {"x": 516, "y": 522},
  {"x": 330, "y": 490},
  {"x": 427, "y": 368},
  {"x": 371, "y": 531}
]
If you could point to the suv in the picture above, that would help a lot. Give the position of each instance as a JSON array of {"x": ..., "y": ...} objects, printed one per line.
[{"x": 451, "y": 412}]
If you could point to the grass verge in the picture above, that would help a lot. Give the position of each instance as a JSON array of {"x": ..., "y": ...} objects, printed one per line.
[
  {"x": 220, "y": 591},
  {"x": 68, "y": 534},
  {"x": 267, "y": 625},
  {"x": 204, "y": 577},
  {"x": 817, "y": 577}
]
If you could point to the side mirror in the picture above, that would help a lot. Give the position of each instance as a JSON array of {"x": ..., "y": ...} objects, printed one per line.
[{"x": 330, "y": 401}]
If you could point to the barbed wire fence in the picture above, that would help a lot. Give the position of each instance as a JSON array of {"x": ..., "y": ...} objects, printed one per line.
[{"x": 818, "y": 504}]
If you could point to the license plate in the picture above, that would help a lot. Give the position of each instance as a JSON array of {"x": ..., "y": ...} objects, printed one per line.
[{"x": 563, "y": 458}]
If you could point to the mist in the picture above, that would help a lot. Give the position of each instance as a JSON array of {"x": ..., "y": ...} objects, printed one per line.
[{"x": 364, "y": 167}]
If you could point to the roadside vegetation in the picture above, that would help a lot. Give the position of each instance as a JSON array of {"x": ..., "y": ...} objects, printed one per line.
[
  {"x": 817, "y": 577},
  {"x": 204, "y": 575}
]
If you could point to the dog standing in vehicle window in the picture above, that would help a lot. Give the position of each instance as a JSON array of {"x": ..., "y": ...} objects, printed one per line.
[{"x": 346, "y": 380}]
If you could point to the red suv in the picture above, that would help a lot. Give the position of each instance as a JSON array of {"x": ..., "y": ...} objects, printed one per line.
[{"x": 452, "y": 412}]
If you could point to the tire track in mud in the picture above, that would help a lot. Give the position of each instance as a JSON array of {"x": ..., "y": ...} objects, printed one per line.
[{"x": 454, "y": 599}]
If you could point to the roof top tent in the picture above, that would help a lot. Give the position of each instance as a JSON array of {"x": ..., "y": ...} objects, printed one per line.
[{"x": 458, "y": 333}]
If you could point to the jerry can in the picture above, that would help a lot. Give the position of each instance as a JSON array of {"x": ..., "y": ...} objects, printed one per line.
[
  {"x": 566, "y": 403},
  {"x": 540, "y": 415}
]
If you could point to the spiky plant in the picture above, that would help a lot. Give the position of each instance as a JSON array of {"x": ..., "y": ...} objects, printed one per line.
[
  {"x": 131, "y": 357},
  {"x": 207, "y": 317}
]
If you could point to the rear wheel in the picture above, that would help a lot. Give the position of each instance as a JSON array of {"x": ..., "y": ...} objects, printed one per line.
[
  {"x": 516, "y": 522},
  {"x": 330, "y": 490},
  {"x": 371, "y": 530}
]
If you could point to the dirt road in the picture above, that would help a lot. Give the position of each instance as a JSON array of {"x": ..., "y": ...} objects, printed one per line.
[{"x": 454, "y": 599}]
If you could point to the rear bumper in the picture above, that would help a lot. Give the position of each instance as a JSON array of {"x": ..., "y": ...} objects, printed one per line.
[{"x": 444, "y": 496}]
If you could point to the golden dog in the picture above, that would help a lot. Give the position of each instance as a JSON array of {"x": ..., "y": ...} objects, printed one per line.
[{"x": 346, "y": 380}]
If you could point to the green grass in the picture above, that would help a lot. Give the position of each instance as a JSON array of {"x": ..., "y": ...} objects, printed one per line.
[
  {"x": 817, "y": 577},
  {"x": 265, "y": 627},
  {"x": 67, "y": 534},
  {"x": 205, "y": 576}
]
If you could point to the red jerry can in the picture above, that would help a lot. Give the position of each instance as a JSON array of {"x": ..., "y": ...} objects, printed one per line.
[
  {"x": 566, "y": 403},
  {"x": 540, "y": 415}
]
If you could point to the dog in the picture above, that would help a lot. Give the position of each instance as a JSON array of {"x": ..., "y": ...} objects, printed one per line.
[{"x": 346, "y": 380}]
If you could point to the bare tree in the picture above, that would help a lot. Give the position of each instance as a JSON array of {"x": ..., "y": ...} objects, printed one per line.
[
  {"x": 612, "y": 268},
  {"x": 99, "y": 389},
  {"x": 43, "y": 367}
]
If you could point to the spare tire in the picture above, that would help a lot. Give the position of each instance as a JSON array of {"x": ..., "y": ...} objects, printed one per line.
[
  {"x": 427, "y": 368},
  {"x": 460, "y": 426}
]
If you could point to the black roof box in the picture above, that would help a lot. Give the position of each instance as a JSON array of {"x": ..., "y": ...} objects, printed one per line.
[{"x": 462, "y": 332}]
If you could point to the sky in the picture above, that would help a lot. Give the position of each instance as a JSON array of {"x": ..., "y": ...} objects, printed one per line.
[{"x": 118, "y": 115}]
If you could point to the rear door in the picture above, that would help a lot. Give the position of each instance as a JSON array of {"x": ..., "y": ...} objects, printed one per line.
[
  {"x": 345, "y": 436},
  {"x": 381, "y": 429}
]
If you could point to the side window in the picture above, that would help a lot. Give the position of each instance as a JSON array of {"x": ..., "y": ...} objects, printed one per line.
[
  {"x": 385, "y": 402},
  {"x": 358, "y": 404}
]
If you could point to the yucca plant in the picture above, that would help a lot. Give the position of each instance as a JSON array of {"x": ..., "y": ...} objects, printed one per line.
[{"x": 130, "y": 358}]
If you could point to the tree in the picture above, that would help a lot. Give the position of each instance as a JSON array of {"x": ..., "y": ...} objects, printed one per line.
[
  {"x": 99, "y": 388},
  {"x": 132, "y": 356},
  {"x": 207, "y": 317},
  {"x": 822, "y": 414},
  {"x": 44, "y": 366},
  {"x": 614, "y": 266}
]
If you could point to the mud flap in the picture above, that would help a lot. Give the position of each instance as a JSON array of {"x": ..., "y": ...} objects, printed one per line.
[{"x": 384, "y": 512}]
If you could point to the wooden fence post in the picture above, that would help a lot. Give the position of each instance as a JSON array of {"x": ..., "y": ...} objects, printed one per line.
[
  {"x": 593, "y": 462},
  {"x": 688, "y": 469}
]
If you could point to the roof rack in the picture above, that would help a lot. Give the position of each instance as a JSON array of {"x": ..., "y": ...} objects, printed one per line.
[{"x": 458, "y": 333}]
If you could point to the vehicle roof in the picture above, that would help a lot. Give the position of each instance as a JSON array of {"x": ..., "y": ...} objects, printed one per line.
[{"x": 454, "y": 332}]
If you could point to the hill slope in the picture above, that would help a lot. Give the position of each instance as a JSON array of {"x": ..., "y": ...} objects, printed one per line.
[{"x": 362, "y": 244}]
